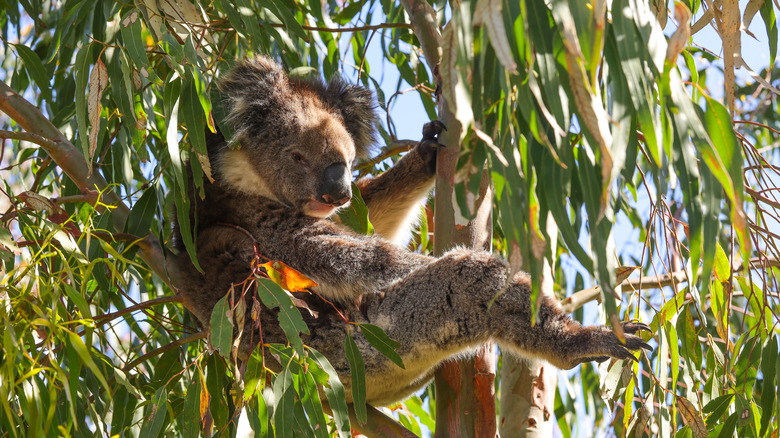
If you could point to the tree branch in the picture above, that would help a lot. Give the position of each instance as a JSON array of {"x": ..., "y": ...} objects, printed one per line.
[
  {"x": 28, "y": 136},
  {"x": 426, "y": 27},
  {"x": 395, "y": 148},
  {"x": 225, "y": 27},
  {"x": 580, "y": 298},
  {"x": 378, "y": 425}
]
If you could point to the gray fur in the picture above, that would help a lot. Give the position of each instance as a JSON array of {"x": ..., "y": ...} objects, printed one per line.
[{"x": 436, "y": 308}]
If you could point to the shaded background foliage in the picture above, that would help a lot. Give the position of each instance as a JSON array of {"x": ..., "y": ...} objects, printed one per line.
[{"x": 606, "y": 152}]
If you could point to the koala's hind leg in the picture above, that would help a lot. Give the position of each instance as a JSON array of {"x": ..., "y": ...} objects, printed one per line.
[
  {"x": 450, "y": 306},
  {"x": 556, "y": 337}
]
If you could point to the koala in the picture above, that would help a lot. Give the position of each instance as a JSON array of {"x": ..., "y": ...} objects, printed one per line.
[{"x": 274, "y": 194}]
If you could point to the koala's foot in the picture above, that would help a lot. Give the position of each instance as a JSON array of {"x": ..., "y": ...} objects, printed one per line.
[
  {"x": 614, "y": 347},
  {"x": 429, "y": 145}
]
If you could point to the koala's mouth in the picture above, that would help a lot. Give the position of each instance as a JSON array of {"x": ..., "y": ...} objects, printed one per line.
[{"x": 320, "y": 209}]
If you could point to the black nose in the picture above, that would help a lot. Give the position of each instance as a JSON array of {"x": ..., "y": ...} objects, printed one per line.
[{"x": 336, "y": 188}]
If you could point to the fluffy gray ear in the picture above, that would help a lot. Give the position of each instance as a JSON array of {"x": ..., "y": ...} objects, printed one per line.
[
  {"x": 254, "y": 96},
  {"x": 356, "y": 105}
]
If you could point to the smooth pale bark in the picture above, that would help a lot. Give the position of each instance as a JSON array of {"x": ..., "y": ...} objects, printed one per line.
[{"x": 528, "y": 385}]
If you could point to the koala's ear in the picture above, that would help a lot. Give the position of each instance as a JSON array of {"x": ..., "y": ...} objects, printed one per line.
[
  {"x": 357, "y": 108},
  {"x": 254, "y": 94}
]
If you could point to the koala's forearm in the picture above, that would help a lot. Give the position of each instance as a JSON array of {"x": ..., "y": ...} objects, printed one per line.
[
  {"x": 393, "y": 198},
  {"x": 347, "y": 267}
]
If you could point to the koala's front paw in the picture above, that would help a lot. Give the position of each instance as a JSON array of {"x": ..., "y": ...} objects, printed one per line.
[
  {"x": 619, "y": 350},
  {"x": 604, "y": 345},
  {"x": 429, "y": 145}
]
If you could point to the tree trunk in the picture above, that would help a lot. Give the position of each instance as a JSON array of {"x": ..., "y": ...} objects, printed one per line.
[
  {"x": 465, "y": 395},
  {"x": 528, "y": 385}
]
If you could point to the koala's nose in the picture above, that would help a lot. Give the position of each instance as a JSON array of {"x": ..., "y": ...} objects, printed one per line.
[{"x": 336, "y": 186}]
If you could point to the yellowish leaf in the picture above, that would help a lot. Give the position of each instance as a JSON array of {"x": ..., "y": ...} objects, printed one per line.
[
  {"x": 205, "y": 164},
  {"x": 680, "y": 36},
  {"x": 286, "y": 277},
  {"x": 98, "y": 81},
  {"x": 622, "y": 273},
  {"x": 692, "y": 417},
  {"x": 488, "y": 13}
]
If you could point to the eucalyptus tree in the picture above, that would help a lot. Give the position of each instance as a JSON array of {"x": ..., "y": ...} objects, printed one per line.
[{"x": 583, "y": 144}]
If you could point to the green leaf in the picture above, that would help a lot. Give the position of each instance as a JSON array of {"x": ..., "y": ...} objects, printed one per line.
[
  {"x": 639, "y": 78},
  {"x": 254, "y": 375},
  {"x": 310, "y": 397},
  {"x": 289, "y": 316},
  {"x": 284, "y": 390},
  {"x": 122, "y": 411},
  {"x": 171, "y": 101},
  {"x": 379, "y": 340},
  {"x": 81, "y": 70},
  {"x": 167, "y": 368},
  {"x": 217, "y": 385},
  {"x": 78, "y": 299},
  {"x": 132, "y": 38},
  {"x": 724, "y": 158},
  {"x": 355, "y": 216},
  {"x": 301, "y": 426},
  {"x": 335, "y": 393},
  {"x": 769, "y": 365},
  {"x": 182, "y": 201},
  {"x": 716, "y": 408},
  {"x": 770, "y": 24},
  {"x": 282, "y": 9},
  {"x": 729, "y": 426},
  {"x": 139, "y": 222},
  {"x": 192, "y": 112},
  {"x": 221, "y": 327},
  {"x": 257, "y": 411},
  {"x": 154, "y": 417},
  {"x": 190, "y": 418},
  {"x": 358, "y": 378},
  {"x": 86, "y": 358},
  {"x": 35, "y": 68}
]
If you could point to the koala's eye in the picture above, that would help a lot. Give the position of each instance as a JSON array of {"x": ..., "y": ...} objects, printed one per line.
[{"x": 297, "y": 157}]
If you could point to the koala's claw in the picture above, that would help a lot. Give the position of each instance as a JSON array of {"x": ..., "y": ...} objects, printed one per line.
[
  {"x": 429, "y": 145},
  {"x": 432, "y": 129},
  {"x": 633, "y": 327}
]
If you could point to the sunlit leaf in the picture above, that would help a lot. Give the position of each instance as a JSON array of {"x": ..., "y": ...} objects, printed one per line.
[{"x": 287, "y": 278}]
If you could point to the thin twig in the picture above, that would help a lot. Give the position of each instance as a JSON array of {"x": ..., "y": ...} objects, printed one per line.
[
  {"x": 177, "y": 343},
  {"x": 395, "y": 148},
  {"x": 328, "y": 29},
  {"x": 102, "y": 319}
]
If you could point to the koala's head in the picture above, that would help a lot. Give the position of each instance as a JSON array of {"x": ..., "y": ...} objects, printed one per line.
[{"x": 297, "y": 139}]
